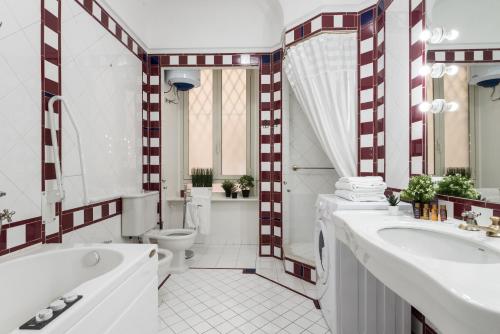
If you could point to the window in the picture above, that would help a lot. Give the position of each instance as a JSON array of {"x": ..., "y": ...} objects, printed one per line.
[{"x": 218, "y": 118}]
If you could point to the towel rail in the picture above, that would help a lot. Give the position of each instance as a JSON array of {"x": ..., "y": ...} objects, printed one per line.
[{"x": 296, "y": 168}]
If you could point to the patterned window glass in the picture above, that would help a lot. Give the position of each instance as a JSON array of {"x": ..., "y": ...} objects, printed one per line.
[
  {"x": 234, "y": 121},
  {"x": 200, "y": 123}
]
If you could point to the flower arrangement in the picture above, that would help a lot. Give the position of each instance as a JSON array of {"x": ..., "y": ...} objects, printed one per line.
[
  {"x": 420, "y": 189},
  {"x": 458, "y": 185}
]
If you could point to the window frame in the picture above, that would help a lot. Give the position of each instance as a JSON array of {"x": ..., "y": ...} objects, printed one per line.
[{"x": 252, "y": 83}]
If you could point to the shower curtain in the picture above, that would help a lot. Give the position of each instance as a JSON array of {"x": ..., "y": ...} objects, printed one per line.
[{"x": 322, "y": 74}]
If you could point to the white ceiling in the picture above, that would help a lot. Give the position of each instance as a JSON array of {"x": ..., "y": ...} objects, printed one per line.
[{"x": 217, "y": 25}]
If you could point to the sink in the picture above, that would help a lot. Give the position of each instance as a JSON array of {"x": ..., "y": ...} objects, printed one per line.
[{"x": 438, "y": 245}]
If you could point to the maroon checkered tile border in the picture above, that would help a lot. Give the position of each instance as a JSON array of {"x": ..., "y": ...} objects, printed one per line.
[
  {"x": 367, "y": 92},
  {"x": 51, "y": 86},
  {"x": 300, "y": 270},
  {"x": 84, "y": 216},
  {"x": 464, "y": 56},
  {"x": 379, "y": 113},
  {"x": 112, "y": 26},
  {"x": 320, "y": 23},
  {"x": 27, "y": 233},
  {"x": 417, "y": 159}
]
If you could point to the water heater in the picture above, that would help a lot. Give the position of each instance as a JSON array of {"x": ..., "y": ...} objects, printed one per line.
[{"x": 183, "y": 79}]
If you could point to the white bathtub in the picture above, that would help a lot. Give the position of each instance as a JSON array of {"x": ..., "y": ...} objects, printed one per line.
[{"x": 119, "y": 292}]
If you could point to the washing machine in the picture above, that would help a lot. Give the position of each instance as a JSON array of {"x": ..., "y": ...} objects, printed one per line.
[{"x": 342, "y": 283}]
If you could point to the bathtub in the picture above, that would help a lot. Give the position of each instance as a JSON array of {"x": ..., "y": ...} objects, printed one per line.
[{"x": 118, "y": 283}]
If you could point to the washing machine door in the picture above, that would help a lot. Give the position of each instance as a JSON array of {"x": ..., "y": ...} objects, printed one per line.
[{"x": 321, "y": 254}]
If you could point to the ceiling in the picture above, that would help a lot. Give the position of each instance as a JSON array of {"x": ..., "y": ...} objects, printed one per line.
[{"x": 217, "y": 25}]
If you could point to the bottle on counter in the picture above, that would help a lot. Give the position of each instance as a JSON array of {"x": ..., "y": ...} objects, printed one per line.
[
  {"x": 416, "y": 210},
  {"x": 443, "y": 213},
  {"x": 434, "y": 212},
  {"x": 425, "y": 213}
]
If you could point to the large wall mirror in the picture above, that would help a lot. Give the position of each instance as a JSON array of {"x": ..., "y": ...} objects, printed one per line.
[{"x": 462, "y": 133}]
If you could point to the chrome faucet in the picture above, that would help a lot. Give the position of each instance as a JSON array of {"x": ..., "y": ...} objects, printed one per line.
[
  {"x": 471, "y": 224},
  {"x": 470, "y": 218}
]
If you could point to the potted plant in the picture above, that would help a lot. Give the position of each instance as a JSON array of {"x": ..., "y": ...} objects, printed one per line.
[
  {"x": 420, "y": 190},
  {"x": 202, "y": 179},
  {"x": 458, "y": 185},
  {"x": 228, "y": 187},
  {"x": 393, "y": 207},
  {"x": 245, "y": 183}
]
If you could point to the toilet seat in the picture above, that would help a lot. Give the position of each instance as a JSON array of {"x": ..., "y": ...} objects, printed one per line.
[{"x": 177, "y": 234}]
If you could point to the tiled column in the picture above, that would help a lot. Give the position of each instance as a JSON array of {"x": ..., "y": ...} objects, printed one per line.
[
  {"x": 277, "y": 250},
  {"x": 367, "y": 143},
  {"x": 380, "y": 81},
  {"x": 51, "y": 86},
  {"x": 417, "y": 89},
  {"x": 265, "y": 156}
]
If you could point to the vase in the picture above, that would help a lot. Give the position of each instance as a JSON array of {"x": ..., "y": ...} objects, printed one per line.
[{"x": 393, "y": 210}]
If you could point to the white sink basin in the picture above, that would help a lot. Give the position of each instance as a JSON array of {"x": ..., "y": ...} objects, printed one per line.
[{"x": 439, "y": 245}]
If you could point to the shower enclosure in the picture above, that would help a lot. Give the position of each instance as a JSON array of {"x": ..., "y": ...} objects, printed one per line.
[{"x": 313, "y": 174}]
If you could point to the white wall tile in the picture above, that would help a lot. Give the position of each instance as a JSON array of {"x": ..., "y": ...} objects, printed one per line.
[{"x": 16, "y": 236}]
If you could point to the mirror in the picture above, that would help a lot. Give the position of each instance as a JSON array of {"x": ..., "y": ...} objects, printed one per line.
[{"x": 466, "y": 140}]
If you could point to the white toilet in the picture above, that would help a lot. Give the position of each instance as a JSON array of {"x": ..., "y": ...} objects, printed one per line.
[{"x": 139, "y": 218}]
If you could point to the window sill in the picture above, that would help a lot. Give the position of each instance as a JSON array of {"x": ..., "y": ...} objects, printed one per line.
[{"x": 219, "y": 197}]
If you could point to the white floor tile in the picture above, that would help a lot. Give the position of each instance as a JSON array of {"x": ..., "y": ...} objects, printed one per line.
[{"x": 228, "y": 301}]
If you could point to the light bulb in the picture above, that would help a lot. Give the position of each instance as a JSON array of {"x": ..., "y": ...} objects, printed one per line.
[
  {"x": 452, "y": 35},
  {"x": 452, "y": 106},
  {"x": 452, "y": 70},
  {"x": 425, "y": 106},
  {"x": 425, "y": 70},
  {"x": 425, "y": 35}
]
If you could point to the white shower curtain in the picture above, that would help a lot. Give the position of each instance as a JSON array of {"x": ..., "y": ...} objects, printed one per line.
[{"x": 322, "y": 74}]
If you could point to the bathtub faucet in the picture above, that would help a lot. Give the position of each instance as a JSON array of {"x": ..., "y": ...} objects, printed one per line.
[{"x": 6, "y": 214}]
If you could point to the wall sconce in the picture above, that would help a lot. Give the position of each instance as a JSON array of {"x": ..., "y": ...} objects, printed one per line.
[
  {"x": 438, "y": 106},
  {"x": 438, "y": 35},
  {"x": 438, "y": 70}
]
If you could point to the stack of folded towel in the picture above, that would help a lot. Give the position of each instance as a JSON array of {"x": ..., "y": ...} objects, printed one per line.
[{"x": 361, "y": 189}]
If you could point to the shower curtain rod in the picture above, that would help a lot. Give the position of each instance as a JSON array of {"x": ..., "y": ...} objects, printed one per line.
[{"x": 339, "y": 32}]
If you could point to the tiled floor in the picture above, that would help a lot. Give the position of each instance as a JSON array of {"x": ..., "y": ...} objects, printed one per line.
[
  {"x": 246, "y": 256},
  {"x": 228, "y": 301}
]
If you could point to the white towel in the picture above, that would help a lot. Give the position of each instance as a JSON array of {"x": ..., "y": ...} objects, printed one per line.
[
  {"x": 362, "y": 179},
  {"x": 192, "y": 216},
  {"x": 202, "y": 198},
  {"x": 362, "y": 187},
  {"x": 359, "y": 197}
]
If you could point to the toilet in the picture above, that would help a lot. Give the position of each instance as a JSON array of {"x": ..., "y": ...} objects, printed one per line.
[{"x": 139, "y": 218}]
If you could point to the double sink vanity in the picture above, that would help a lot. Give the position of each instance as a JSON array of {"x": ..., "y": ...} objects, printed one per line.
[{"x": 448, "y": 273}]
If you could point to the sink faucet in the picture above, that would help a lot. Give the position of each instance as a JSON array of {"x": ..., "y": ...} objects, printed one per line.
[{"x": 471, "y": 224}]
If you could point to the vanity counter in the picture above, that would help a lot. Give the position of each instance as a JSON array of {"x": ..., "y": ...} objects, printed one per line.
[{"x": 458, "y": 291}]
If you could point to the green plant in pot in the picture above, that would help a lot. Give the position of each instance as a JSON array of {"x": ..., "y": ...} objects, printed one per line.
[
  {"x": 420, "y": 190},
  {"x": 246, "y": 183},
  {"x": 228, "y": 186},
  {"x": 393, "y": 201},
  {"x": 202, "y": 177},
  {"x": 458, "y": 185}
]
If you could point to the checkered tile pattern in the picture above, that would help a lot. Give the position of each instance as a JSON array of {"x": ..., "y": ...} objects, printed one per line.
[
  {"x": 379, "y": 113},
  {"x": 276, "y": 222},
  {"x": 322, "y": 22},
  {"x": 417, "y": 88},
  {"x": 100, "y": 15},
  {"x": 51, "y": 85},
  {"x": 28, "y": 232},
  {"x": 228, "y": 301},
  {"x": 77, "y": 218},
  {"x": 300, "y": 270},
  {"x": 464, "y": 56},
  {"x": 367, "y": 91}
]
